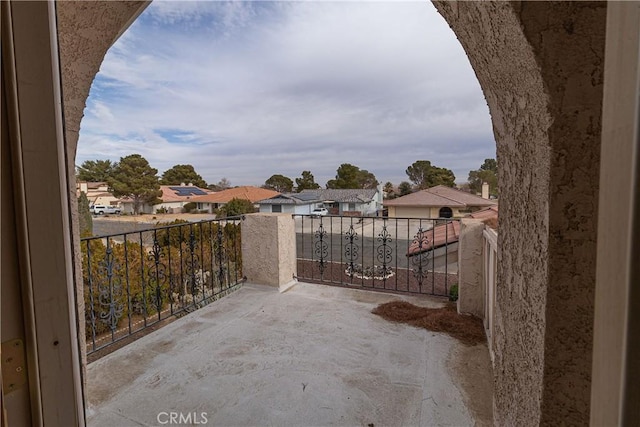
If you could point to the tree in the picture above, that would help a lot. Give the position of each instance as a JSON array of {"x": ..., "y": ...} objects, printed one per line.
[
  {"x": 236, "y": 207},
  {"x": 134, "y": 178},
  {"x": 488, "y": 173},
  {"x": 179, "y": 174},
  {"x": 350, "y": 176},
  {"x": 389, "y": 190},
  {"x": 84, "y": 218},
  {"x": 404, "y": 188},
  {"x": 223, "y": 184},
  {"x": 306, "y": 182},
  {"x": 425, "y": 175},
  {"x": 95, "y": 170},
  {"x": 279, "y": 183}
]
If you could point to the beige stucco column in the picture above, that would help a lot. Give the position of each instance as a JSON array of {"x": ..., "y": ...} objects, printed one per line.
[
  {"x": 269, "y": 249},
  {"x": 540, "y": 65},
  {"x": 470, "y": 287}
]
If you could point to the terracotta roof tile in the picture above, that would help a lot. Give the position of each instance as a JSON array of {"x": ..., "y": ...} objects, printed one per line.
[
  {"x": 253, "y": 194},
  {"x": 446, "y": 234}
]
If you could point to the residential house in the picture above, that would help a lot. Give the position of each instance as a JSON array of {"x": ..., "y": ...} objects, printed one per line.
[
  {"x": 213, "y": 201},
  {"x": 436, "y": 202},
  {"x": 294, "y": 203},
  {"x": 348, "y": 201},
  {"x": 97, "y": 192},
  {"x": 172, "y": 199}
]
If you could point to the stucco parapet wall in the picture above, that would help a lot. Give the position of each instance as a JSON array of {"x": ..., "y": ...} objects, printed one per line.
[
  {"x": 470, "y": 286},
  {"x": 269, "y": 249}
]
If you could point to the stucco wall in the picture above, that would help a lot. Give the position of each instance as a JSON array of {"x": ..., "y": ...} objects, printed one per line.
[
  {"x": 540, "y": 67},
  {"x": 86, "y": 30},
  {"x": 269, "y": 249},
  {"x": 470, "y": 263}
]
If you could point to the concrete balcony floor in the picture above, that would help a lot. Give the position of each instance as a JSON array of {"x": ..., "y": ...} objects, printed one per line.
[{"x": 314, "y": 355}]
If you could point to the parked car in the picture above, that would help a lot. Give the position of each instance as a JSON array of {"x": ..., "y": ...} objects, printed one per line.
[
  {"x": 103, "y": 209},
  {"x": 319, "y": 212}
]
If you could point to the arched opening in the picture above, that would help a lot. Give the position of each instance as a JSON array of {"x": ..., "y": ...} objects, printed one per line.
[
  {"x": 445, "y": 212},
  {"x": 525, "y": 79}
]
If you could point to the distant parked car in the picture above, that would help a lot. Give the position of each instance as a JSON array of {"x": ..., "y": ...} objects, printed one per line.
[
  {"x": 319, "y": 212},
  {"x": 102, "y": 209}
]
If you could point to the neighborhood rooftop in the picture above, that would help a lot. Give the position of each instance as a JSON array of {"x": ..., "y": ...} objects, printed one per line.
[
  {"x": 440, "y": 195},
  {"x": 291, "y": 199},
  {"x": 253, "y": 194},
  {"x": 342, "y": 195}
]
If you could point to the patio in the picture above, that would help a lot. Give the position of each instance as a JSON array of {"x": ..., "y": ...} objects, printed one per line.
[{"x": 314, "y": 355}]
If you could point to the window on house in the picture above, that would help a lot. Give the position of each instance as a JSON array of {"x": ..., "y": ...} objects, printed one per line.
[
  {"x": 445, "y": 212},
  {"x": 276, "y": 208},
  {"x": 352, "y": 206}
]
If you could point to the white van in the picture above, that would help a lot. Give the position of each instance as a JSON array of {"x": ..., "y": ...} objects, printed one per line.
[{"x": 102, "y": 209}]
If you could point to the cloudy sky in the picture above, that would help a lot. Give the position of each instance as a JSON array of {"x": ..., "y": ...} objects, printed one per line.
[{"x": 244, "y": 90}]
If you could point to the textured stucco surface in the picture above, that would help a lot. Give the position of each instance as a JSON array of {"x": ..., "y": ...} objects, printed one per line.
[
  {"x": 569, "y": 39},
  {"x": 86, "y": 30},
  {"x": 470, "y": 262},
  {"x": 269, "y": 249},
  {"x": 540, "y": 67}
]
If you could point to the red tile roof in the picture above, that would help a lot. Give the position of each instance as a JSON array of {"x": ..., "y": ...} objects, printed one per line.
[
  {"x": 446, "y": 234},
  {"x": 253, "y": 194}
]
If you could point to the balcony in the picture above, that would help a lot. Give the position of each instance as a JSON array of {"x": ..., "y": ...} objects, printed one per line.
[{"x": 292, "y": 353}]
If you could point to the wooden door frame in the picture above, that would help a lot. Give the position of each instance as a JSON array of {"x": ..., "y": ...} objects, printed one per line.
[{"x": 43, "y": 223}]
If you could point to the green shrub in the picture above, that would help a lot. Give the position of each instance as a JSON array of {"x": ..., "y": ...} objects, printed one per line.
[
  {"x": 236, "y": 207},
  {"x": 189, "y": 207},
  {"x": 453, "y": 293}
]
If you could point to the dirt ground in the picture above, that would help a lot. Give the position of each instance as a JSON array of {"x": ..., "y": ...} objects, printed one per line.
[{"x": 468, "y": 330}]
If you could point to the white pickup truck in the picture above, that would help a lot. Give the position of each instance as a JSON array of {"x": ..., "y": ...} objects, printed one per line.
[{"x": 103, "y": 209}]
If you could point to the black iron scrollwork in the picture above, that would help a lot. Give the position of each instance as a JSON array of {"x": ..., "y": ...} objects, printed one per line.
[
  {"x": 384, "y": 250},
  {"x": 192, "y": 266},
  {"x": 220, "y": 252},
  {"x": 351, "y": 249},
  {"x": 110, "y": 290},
  {"x": 421, "y": 259},
  {"x": 157, "y": 275},
  {"x": 321, "y": 247}
]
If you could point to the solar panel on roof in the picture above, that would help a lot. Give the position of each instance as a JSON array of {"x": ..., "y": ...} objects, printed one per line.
[
  {"x": 306, "y": 196},
  {"x": 188, "y": 191}
]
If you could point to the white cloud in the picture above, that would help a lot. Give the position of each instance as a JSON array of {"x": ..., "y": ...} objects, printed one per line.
[{"x": 245, "y": 90}]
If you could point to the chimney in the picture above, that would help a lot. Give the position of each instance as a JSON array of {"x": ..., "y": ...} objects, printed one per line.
[{"x": 485, "y": 190}]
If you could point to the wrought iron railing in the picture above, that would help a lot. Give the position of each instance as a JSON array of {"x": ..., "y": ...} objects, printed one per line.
[
  {"x": 413, "y": 255},
  {"x": 136, "y": 280}
]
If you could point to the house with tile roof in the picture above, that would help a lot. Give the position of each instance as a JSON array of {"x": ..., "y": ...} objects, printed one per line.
[
  {"x": 436, "y": 202},
  {"x": 172, "y": 199},
  {"x": 356, "y": 201},
  {"x": 213, "y": 201},
  {"x": 337, "y": 201},
  {"x": 293, "y": 203}
]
